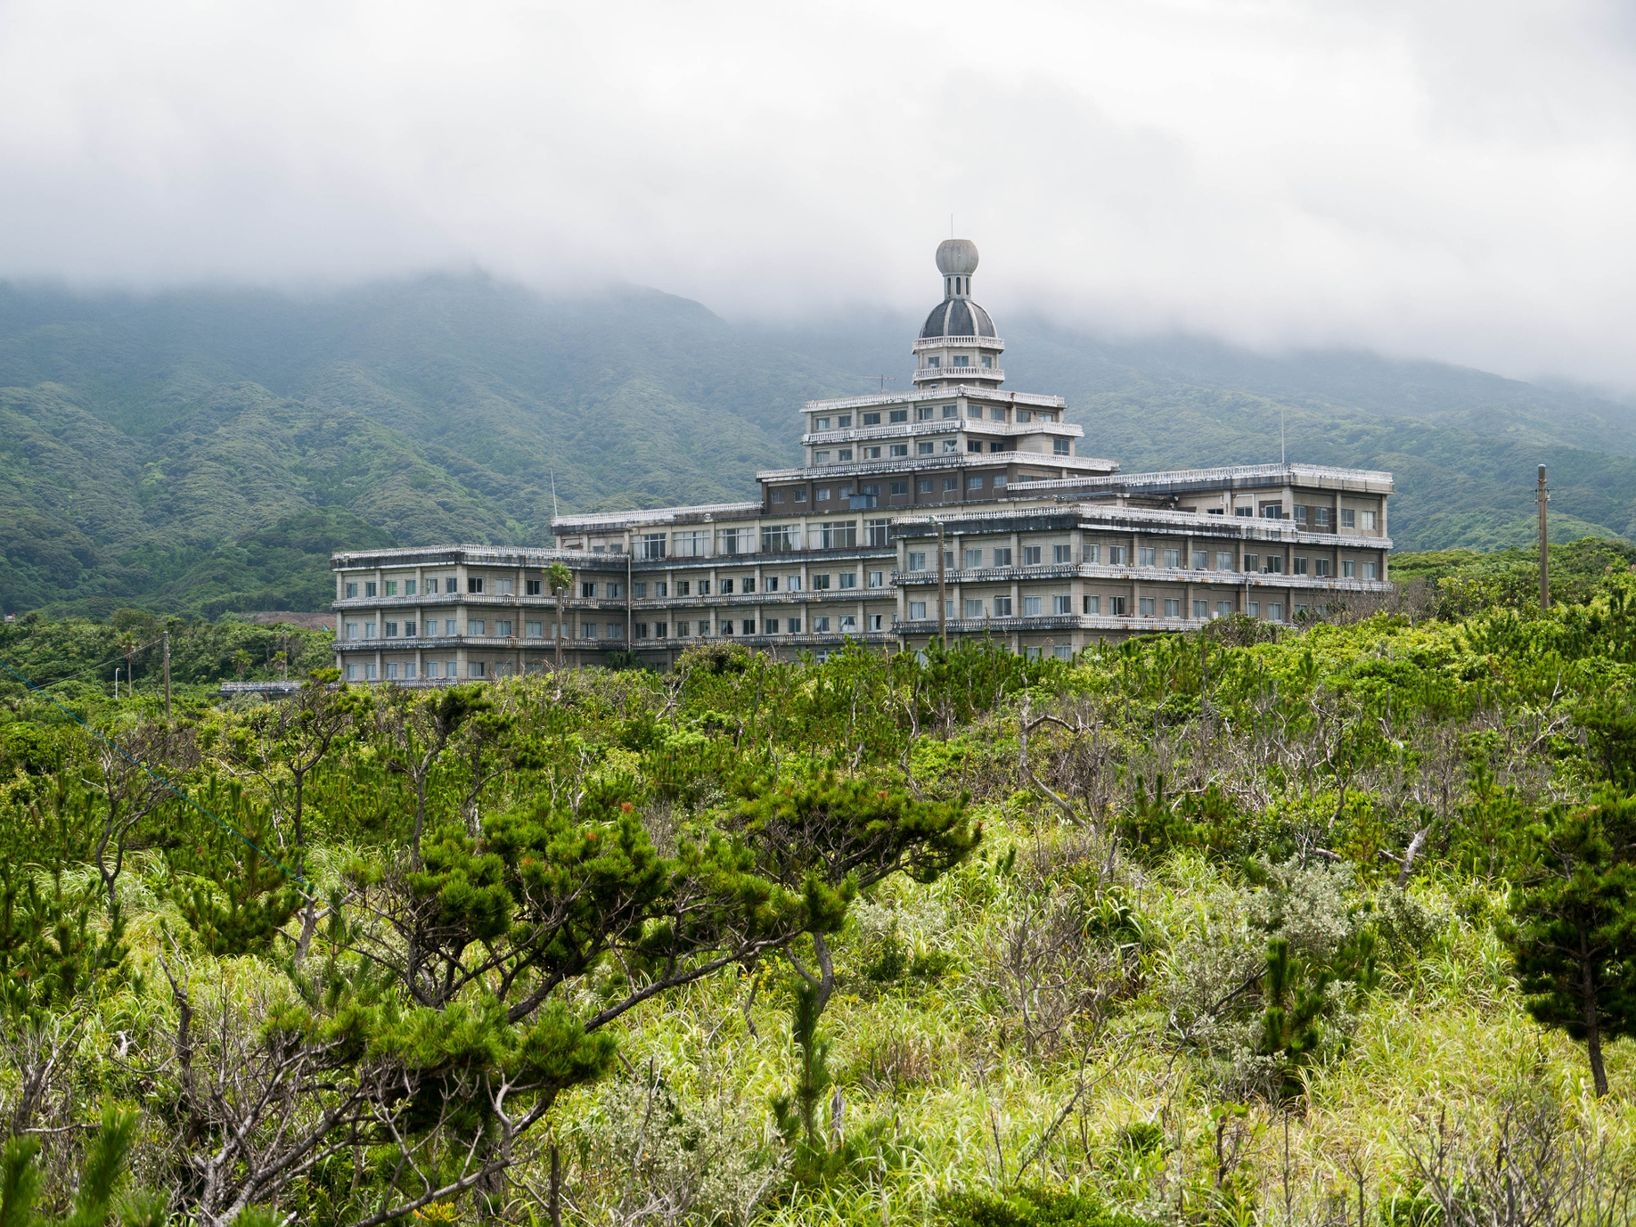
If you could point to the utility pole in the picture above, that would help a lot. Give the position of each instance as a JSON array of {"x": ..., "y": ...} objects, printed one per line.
[
  {"x": 1544, "y": 497},
  {"x": 167, "y": 677},
  {"x": 942, "y": 590}
]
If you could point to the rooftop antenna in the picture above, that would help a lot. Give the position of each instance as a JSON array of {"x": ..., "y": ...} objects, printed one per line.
[
  {"x": 884, "y": 380},
  {"x": 951, "y": 225},
  {"x": 553, "y": 494}
]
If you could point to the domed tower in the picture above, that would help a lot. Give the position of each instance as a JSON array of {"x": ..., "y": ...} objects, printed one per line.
[{"x": 958, "y": 344}]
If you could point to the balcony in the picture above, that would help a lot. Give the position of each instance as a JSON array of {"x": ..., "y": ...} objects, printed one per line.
[{"x": 955, "y": 374}]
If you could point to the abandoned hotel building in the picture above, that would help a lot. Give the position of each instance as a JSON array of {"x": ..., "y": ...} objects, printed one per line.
[{"x": 958, "y": 508}]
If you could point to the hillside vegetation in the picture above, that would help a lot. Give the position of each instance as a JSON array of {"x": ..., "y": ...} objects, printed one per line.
[
  {"x": 1219, "y": 928},
  {"x": 201, "y": 452}
]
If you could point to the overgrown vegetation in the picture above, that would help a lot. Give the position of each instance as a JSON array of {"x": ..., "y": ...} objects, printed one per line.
[{"x": 1198, "y": 929}]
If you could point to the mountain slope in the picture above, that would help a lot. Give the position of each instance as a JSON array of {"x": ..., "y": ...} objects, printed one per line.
[{"x": 207, "y": 450}]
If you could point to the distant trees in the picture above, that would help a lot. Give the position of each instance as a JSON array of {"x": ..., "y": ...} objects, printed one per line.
[{"x": 1575, "y": 935}]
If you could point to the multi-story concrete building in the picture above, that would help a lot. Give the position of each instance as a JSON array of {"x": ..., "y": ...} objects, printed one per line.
[{"x": 956, "y": 509}]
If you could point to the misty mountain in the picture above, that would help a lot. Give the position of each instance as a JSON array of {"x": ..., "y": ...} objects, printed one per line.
[{"x": 207, "y": 450}]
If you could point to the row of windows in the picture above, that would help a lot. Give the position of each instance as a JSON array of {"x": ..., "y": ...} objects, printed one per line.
[
  {"x": 502, "y": 585},
  {"x": 926, "y": 413},
  {"x": 821, "y": 624},
  {"x": 1116, "y": 606},
  {"x": 896, "y": 489},
  {"x": 972, "y": 557}
]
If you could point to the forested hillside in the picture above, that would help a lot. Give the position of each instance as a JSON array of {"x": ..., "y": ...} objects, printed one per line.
[
  {"x": 1243, "y": 926},
  {"x": 206, "y": 451}
]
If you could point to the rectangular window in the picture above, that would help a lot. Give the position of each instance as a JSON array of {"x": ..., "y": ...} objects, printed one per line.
[
  {"x": 1002, "y": 555},
  {"x": 1366, "y": 521},
  {"x": 1300, "y": 566},
  {"x": 432, "y": 668},
  {"x": 1243, "y": 511},
  {"x": 1172, "y": 558},
  {"x": 660, "y": 629},
  {"x": 996, "y": 414},
  {"x": 651, "y": 547},
  {"x": 820, "y": 624},
  {"x": 503, "y": 586},
  {"x": 1059, "y": 447},
  {"x": 1349, "y": 518},
  {"x": 352, "y": 589},
  {"x": 769, "y": 626},
  {"x": 770, "y": 584},
  {"x": 1146, "y": 606},
  {"x": 369, "y": 588},
  {"x": 849, "y": 624},
  {"x": 532, "y": 587},
  {"x": 587, "y": 630},
  {"x": 1322, "y": 567},
  {"x": 917, "y": 560},
  {"x": 1062, "y": 553},
  {"x": 534, "y": 630},
  {"x": 971, "y": 608},
  {"x": 1173, "y": 607},
  {"x": 476, "y": 626},
  {"x": 1119, "y": 555},
  {"x": 780, "y": 538},
  {"x": 1031, "y": 555},
  {"x": 1119, "y": 606},
  {"x": 1371, "y": 570},
  {"x": 849, "y": 579},
  {"x": 820, "y": 424},
  {"x": 898, "y": 415},
  {"x": 820, "y": 582},
  {"x": 1146, "y": 555},
  {"x": 1033, "y": 606},
  {"x": 917, "y": 610},
  {"x": 924, "y": 448},
  {"x": 1272, "y": 511},
  {"x": 641, "y": 630},
  {"x": 795, "y": 626},
  {"x": 474, "y": 584},
  {"x": 704, "y": 587},
  {"x": 1002, "y": 607},
  {"x": 899, "y": 489},
  {"x": 1252, "y": 562},
  {"x": 503, "y": 628},
  {"x": 974, "y": 483},
  {"x": 690, "y": 544},
  {"x": 1275, "y": 564},
  {"x": 350, "y": 630},
  {"x": 1201, "y": 609},
  {"x": 792, "y": 583},
  {"x": 727, "y": 587},
  {"x": 639, "y": 588},
  {"x": 409, "y": 629},
  {"x": 973, "y": 558},
  {"x": 748, "y": 584},
  {"x": 451, "y": 584},
  {"x": 823, "y": 491},
  {"x": 1062, "y": 603},
  {"x": 748, "y": 626},
  {"x": 1275, "y": 611},
  {"x": 477, "y": 668},
  {"x": 1093, "y": 553},
  {"x": 871, "y": 419},
  {"x": 1224, "y": 609},
  {"x": 391, "y": 588},
  {"x": 1224, "y": 560},
  {"x": 1321, "y": 517},
  {"x": 684, "y": 587},
  {"x": 683, "y": 629},
  {"x": 1091, "y": 604},
  {"x": 661, "y": 587},
  {"x": 820, "y": 457},
  {"x": 587, "y": 590}
]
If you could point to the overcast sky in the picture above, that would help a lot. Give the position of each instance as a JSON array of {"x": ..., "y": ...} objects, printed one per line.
[{"x": 1454, "y": 180}]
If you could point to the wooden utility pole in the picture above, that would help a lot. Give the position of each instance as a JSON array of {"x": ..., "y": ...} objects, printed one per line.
[
  {"x": 167, "y": 677},
  {"x": 1544, "y": 547}
]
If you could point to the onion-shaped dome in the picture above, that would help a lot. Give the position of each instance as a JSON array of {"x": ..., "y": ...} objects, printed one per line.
[{"x": 957, "y": 315}]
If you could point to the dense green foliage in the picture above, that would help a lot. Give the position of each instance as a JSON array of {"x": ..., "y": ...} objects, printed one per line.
[
  {"x": 205, "y": 452},
  {"x": 1202, "y": 929}
]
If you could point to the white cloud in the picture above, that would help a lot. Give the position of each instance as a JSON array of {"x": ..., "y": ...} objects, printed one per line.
[{"x": 1452, "y": 180}]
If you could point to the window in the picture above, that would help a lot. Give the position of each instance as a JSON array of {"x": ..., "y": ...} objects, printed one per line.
[
  {"x": 996, "y": 414},
  {"x": 503, "y": 586},
  {"x": 820, "y": 624},
  {"x": 1059, "y": 447},
  {"x": 924, "y": 448},
  {"x": 820, "y": 582},
  {"x": 923, "y": 413},
  {"x": 875, "y": 532},
  {"x": 1275, "y": 611},
  {"x": 748, "y": 626},
  {"x": 823, "y": 491},
  {"x": 1252, "y": 562},
  {"x": 844, "y": 453},
  {"x": 451, "y": 584},
  {"x": 971, "y": 608},
  {"x": 973, "y": 558},
  {"x": 391, "y": 587},
  {"x": 800, "y": 495},
  {"x": 770, "y": 626},
  {"x": 899, "y": 489},
  {"x": 1201, "y": 560},
  {"x": 1033, "y": 606},
  {"x": 917, "y": 560},
  {"x": 587, "y": 630},
  {"x": 1224, "y": 560},
  {"x": 877, "y": 579},
  {"x": 1146, "y": 555},
  {"x": 780, "y": 538},
  {"x": 871, "y": 419},
  {"x": 727, "y": 587},
  {"x": 661, "y": 587},
  {"x": 476, "y": 626},
  {"x": 898, "y": 415},
  {"x": 1371, "y": 570},
  {"x": 690, "y": 544},
  {"x": 1201, "y": 609},
  {"x": 352, "y": 589},
  {"x": 792, "y": 583},
  {"x": 1243, "y": 511},
  {"x": 1118, "y": 555},
  {"x": 951, "y": 411},
  {"x": 409, "y": 629},
  {"x": 684, "y": 587},
  {"x": 369, "y": 588},
  {"x": 1172, "y": 558},
  {"x": 1062, "y": 553},
  {"x": 1349, "y": 518},
  {"x": 350, "y": 630},
  {"x": 352, "y": 673},
  {"x": 1093, "y": 553},
  {"x": 834, "y": 535},
  {"x": 1301, "y": 514},
  {"x": 503, "y": 628},
  {"x": 770, "y": 584},
  {"x": 844, "y": 420},
  {"x": 432, "y": 668},
  {"x": 1321, "y": 517},
  {"x": 1091, "y": 605},
  {"x": 1275, "y": 564},
  {"x": 1224, "y": 609},
  {"x": 532, "y": 587},
  {"x": 704, "y": 587},
  {"x": 1031, "y": 555},
  {"x": 1119, "y": 606},
  {"x": 1173, "y": 607},
  {"x": 1002, "y": 555},
  {"x": 748, "y": 584},
  {"x": 950, "y": 485},
  {"x": 682, "y": 629},
  {"x": 795, "y": 626},
  {"x": 849, "y": 624},
  {"x": 474, "y": 584},
  {"x": 534, "y": 630},
  {"x": 917, "y": 610},
  {"x": 849, "y": 579},
  {"x": 476, "y": 669},
  {"x": 1366, "y": 520},
  {"x": 820, "y": 423},
  {"x": 974, "y": 445},
  {"x": 961, "y": 360},
  {"x": 1322, "y": 567},
  {"x": 1272, "y": 511},
  {"x": 641, "y": 630},
  {"x": 1002, "y": 607},
  {"x": 1300, "y": 566},
  {"x": 974, "y": 483},
  {"x": 1062, "y": 603},
  {"x": 924, "y": 485},
  {"x": 659, "y": 629}
]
